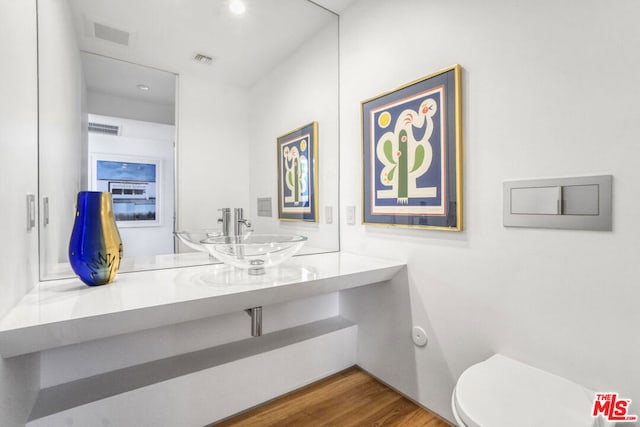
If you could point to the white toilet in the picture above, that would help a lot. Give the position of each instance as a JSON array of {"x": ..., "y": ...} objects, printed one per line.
[{"x": 501, "y": 392}]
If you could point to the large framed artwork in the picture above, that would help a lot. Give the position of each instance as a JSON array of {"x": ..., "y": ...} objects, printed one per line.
[
  {"x": 412, "y": 154},
  {"x": 298, "y": 174},
  {"x": 133, "y": 184}
]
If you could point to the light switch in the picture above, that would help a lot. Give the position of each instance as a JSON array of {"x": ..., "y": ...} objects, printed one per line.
[
  {"x": 351, "y": 215},
  {"x": 536, "y": 200},
  {"x": 328, "y": 214}
]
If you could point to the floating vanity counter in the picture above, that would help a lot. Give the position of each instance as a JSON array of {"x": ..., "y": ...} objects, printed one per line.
[{"x": 64, "y": 312}]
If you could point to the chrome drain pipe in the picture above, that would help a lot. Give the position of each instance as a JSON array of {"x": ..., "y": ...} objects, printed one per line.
[{"x": 256, "y": 320}]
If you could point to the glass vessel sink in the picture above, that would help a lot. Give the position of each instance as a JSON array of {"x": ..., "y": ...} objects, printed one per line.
[
  {"x": 254, "y": 252},
  {"x": 193, "y": 238}
]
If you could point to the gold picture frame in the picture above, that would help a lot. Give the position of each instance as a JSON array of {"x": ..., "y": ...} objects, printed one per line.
[
  {"x": 412, "y": 154},
  {"x": 297, "y": 154}
]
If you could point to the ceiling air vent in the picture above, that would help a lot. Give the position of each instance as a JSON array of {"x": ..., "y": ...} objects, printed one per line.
[
  {"x": 104, "y": 129},
  {"x": 111, "y": 34},
  {"x": 203, "y": 59}
]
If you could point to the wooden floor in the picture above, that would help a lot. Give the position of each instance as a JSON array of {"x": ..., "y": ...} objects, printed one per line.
[{"x": 349, "y": 398}]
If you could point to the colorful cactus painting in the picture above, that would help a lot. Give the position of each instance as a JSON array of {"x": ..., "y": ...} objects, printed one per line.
[
  {"x": 399, "y": 148},
  {"x": 411, "y": 154},
  {"x": 297, "y": 174}
]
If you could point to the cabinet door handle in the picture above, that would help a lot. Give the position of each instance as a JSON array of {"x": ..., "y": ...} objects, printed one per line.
[
  {"x": 45, "y": 211},
  {"x": 31, "y": 211}
]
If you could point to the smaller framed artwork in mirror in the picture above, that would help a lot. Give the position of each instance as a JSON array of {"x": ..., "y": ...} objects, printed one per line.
[
  {"x": 412, "y": 158},
  {"x": 298, "y": 174},
  {"x": 133, "y": 185}
]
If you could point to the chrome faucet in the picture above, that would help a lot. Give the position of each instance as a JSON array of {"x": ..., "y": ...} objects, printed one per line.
[
  {"x": 239, "y": 223},
  {"x": 225, "y": 219}
]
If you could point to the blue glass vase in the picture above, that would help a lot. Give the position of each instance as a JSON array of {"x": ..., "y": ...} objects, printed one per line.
[{"x": 95, "y": 249}]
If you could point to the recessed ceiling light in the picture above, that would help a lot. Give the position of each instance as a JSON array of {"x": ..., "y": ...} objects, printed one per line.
[
  {"x": 143, "y": 87},
  {"x": 237, "y": 7}
]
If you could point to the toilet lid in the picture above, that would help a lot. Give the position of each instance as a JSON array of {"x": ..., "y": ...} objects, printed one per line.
[{"x": 501, "y": 392}]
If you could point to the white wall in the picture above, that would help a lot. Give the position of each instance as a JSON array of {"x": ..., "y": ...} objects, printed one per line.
[
  {"x": 140, "y": 141},
  {"x": 213, "y": 151},
  {"x": 549, "y": 89},
  {"x": 111, "y": 105},
  {"x": 18, "y": 163},
  {"x": 62, "y": 137},
  {"x": 298, "y": 91}
]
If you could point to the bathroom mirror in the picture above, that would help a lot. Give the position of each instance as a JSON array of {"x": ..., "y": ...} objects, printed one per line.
[{"x": 196, "y": 93}]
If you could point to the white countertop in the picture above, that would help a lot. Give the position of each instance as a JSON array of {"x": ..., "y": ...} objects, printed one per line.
[{"x": 63, "y": 312}]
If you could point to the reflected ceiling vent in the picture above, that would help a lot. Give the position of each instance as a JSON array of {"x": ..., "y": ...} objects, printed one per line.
[
  {"x": 111, "y": 34},
  {"x": 104, "y": 129},
  {"x": 203, "y": 59}
]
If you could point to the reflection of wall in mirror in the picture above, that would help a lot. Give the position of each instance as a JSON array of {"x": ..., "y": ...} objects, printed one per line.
[
  {"x": 111, "y": 105},
  {"x": 63, "y": 136},
  {"x": 213, "y": 151},
  {"x": 301, "y": 89},
  {"x": 214, "y": 162},
  {"x": 146, "y": 147}
]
